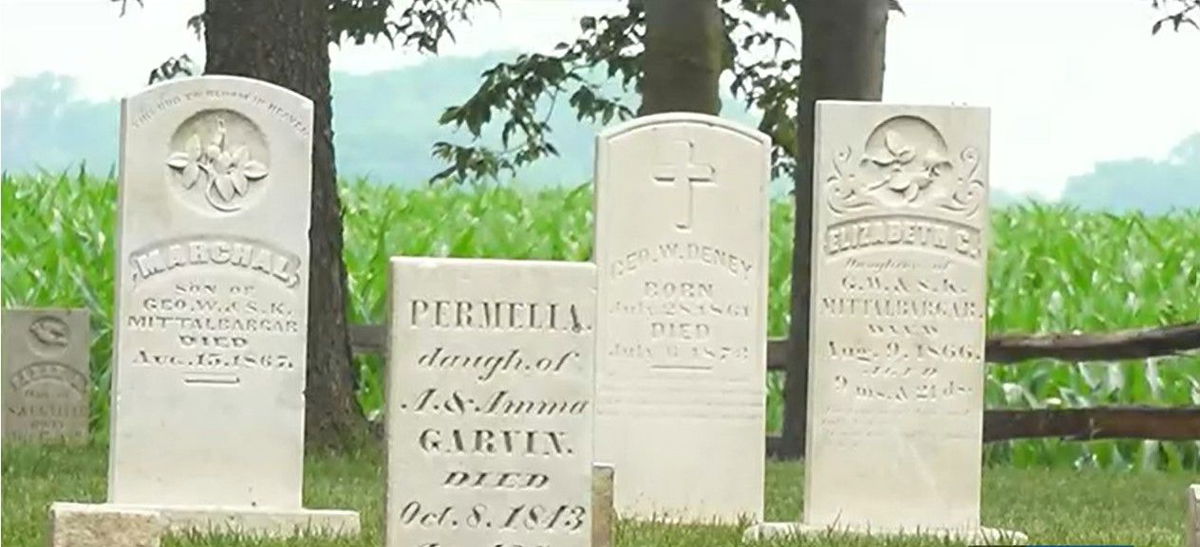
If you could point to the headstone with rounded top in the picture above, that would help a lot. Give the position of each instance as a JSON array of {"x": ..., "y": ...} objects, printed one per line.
[
  {"x": 211, "y": 318},
  {"x": 681, "y": 252},
  {"x": 45, "y": 372},
  {"x": 899, "y": 301}
]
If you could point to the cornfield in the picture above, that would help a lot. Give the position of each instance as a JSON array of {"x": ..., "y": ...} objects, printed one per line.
[{"x": 1051, "y": 269}]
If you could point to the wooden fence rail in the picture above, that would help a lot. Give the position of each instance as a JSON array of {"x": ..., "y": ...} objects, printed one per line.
[
  {"x": 1002, "y": 349},
  {"x": 1166, "y": 424}
]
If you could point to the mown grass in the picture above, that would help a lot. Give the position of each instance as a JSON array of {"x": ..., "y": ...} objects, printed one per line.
[
  {"x": 1056, "y": 506},
  {"x": 1051, "y": 268}
]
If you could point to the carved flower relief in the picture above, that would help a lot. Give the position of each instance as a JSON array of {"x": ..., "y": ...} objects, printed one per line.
[
  {"x": 224, "y": 174},
  {"x": 903, "y": 174}
]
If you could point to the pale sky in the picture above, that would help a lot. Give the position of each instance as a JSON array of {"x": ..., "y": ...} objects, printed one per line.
[{"x": 1069, "y": 82}]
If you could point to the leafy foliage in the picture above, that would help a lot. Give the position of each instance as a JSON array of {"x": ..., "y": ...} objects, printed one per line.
[
  {"x": 528, "y": 88},
  {"x": 1179, "y": 13},
  {"x": 172, "y": 68},
  {"x": 420, "y": 24}
]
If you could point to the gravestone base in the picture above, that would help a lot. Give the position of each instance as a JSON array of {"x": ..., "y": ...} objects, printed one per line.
[
  {"x": 242, "y": 521},
  {"x": 972, "y": 536},
  {"x": 88, "y": 525}
]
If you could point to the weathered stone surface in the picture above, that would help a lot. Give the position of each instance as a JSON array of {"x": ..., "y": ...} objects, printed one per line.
[
  {"x": 1193, "y": 526},
  {"x": 242, "y": 521},
  {"x": 489, "y": 403},
  {"x": 86, "y": 525},
  {"x": 681, "y": 251},
  {"x": 45, "y": 373},
  {"x": 899, "y": 301},
  {"x": 277, "y": 523},
  {"x": 604, "y": 518},
  {"x": 212, "y": 295},
  {"x": 970, "y": 536},
  {"x": 898, "y": 309},
  {"x": 211, "y": 312}
]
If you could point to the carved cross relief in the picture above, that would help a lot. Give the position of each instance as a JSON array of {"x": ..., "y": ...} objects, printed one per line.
[{"x": 679, "y": 171}]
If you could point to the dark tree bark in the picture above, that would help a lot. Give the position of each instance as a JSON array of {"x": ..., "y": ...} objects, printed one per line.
[
  {"x": 286, "y": 42},
  {"x": 684, "y": 56},
  {"x": 842, "y": 51}
]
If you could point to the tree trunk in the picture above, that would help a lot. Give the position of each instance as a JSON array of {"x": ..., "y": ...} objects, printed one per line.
[
  {"x": 286, "y": 42},
  {"x": 685, "y": 46},
  {"x": 842, "y": 50}
]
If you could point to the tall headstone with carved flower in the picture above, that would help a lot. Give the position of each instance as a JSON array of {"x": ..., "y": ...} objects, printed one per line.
[
  {"x": 899, "y": 301},
  {"x": 207, "y": 420}
]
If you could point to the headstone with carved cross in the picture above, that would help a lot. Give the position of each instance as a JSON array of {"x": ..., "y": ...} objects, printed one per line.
[{"x": 681, "y": 251}]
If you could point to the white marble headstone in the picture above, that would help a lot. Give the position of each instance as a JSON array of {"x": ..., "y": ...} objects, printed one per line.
[
  {"x": 899, "y": 301},
  {"x": 45, "y": 374},
  {"x": 212, "y": 301},
  {"x": 489, "y": 403},
  {"x": 681, "y": 252}
]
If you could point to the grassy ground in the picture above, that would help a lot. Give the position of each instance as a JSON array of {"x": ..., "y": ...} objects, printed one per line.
[{"x": 1052, "y": 505}]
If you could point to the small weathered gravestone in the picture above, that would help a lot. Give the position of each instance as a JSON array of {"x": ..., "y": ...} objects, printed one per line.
[
  {"x": 211, "y": 319},
  {"x": 45, "y": 371},
  {"x": 1193, "y": 507},
  {"x": 895, "y": 398},
  {"x": 489, "y": 403},
  {"x": 681, "y": 253}
]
